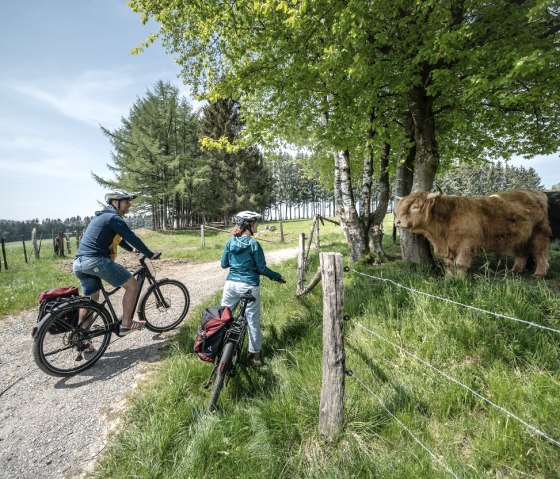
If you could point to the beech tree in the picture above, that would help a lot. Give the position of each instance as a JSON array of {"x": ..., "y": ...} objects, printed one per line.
[{"x": 385, "y": 86}]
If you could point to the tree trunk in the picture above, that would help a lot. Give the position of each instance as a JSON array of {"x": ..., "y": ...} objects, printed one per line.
[
  {"x": 354, "y": 229},
  {"x": 416, "y": 248}
]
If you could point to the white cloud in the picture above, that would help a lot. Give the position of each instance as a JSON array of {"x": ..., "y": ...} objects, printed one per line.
[
  {"x": 92, "y": 97},
  {"x": 39, "y": 156}
]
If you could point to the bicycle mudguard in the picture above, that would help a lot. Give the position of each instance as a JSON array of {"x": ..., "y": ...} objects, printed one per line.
[{"x": 40, "y": 325}]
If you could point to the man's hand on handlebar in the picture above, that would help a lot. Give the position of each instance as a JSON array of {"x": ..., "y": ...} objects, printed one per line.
[{"x": 156, "y": 255}]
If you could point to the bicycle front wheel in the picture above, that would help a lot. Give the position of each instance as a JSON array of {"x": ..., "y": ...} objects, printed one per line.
[
  {"x": 223, "y": 368},
  {"x": 164, "y": 305},
  {"x": 65, "y": 344}
]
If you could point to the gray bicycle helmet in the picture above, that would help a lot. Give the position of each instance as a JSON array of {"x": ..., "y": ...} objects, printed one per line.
[
  {"x": 245, "y": 218},
  {"x": 118, "y": 195}
]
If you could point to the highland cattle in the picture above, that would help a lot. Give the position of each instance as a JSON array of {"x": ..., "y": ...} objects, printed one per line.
[{"x": 458, "y": 227}]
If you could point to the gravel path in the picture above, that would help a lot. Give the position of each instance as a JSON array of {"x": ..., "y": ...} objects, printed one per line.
[{"x": 57, "y": 427}]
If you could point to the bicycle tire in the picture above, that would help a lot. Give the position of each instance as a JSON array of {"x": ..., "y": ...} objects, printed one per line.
[
  {"x": 223, "y": 368},
  {"x": 165, "y": 312},
  {"x": 63, "y": 354}
]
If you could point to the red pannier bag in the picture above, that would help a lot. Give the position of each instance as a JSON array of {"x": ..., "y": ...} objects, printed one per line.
[
  {"x": 214, "y": 323},
  {"x": 53, "y": 298}
]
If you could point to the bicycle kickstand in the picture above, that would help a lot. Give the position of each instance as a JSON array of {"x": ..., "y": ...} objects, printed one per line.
[{"x": 209, "y": 381}]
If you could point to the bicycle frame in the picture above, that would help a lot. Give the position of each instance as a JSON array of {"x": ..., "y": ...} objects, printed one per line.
[{"x": 141, "y": 274}]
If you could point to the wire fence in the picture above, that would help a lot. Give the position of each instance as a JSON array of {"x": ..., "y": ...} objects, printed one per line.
[
  {"x": 338, "y": 345},
  {"x": 403, "y": 426},
  {"x": 466, "y": 306},
  {"x": 413, "y": 357}
]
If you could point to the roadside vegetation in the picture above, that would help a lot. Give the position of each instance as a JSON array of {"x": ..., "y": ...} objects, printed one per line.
[{"x": 266, "y": 424}]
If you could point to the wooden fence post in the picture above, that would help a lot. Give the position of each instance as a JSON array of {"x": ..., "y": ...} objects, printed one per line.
[
  {"x": 202, "y": 240},
  {"x": 281, "y": 232},
  {"x": 68, "y": 247},
  {"x": 60, "y": 243},
  {"x": 317, "y": 240},
  {"x": 310, "y": 241},
  {"x": 331, "y": 409},
  {"x": 24, "y": 249},
  {"x": 4, "y": 254},
  {"x": 34, "y": 243},
  {"x": 301, "y": 262}
]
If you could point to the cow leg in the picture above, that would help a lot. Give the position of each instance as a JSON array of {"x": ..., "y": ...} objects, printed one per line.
[
  {"x": 521, "y": 256},
  {"x": 540, "y": 247},
  {"x": 463, "y": 262}
]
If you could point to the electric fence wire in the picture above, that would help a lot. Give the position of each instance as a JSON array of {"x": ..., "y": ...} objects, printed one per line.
[
  {"x": 459, "y": 383},
  {"x": 447, "y": 300},
  {"x": 401, "y": 424}
]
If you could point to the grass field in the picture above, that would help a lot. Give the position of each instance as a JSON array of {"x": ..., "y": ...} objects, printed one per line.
[{"x": 267, "y": 422}]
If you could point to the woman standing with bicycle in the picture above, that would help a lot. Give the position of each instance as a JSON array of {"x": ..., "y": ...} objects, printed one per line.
[{"x": 244, "y": 257}]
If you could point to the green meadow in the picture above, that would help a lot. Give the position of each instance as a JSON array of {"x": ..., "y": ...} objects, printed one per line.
[{"x": 402, "y": 418}]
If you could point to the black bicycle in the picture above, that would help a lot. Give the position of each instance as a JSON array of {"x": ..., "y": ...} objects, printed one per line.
[
  {"x": 231, "y": 349},
  {"x": 64, "y": 345}
]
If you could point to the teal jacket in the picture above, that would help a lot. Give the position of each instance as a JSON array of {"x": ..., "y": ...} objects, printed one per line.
[{"x": 244, "y": 257}]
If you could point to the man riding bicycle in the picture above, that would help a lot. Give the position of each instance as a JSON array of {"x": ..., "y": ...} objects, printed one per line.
[{"x": 95, "y": 257}]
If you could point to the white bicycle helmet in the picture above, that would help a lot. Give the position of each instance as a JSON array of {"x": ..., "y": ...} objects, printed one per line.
[
  {"x": 245, "y": 218},
  {"x": 118, "y": 195}
]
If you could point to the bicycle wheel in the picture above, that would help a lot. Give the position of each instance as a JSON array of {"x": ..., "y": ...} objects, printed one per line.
[
  {"x": 223, "y": 368},
  {"x": 164, "y": 305},
  {"x": 62, "y": 347}
]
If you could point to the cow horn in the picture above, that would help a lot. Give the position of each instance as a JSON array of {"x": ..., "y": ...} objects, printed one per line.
[
  {"x": 440, "y": 191},
  {"x": 399, "y": 197}
]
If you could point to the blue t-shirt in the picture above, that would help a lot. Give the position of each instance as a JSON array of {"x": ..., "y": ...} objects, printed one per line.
[{"x": 244, "y": 257}]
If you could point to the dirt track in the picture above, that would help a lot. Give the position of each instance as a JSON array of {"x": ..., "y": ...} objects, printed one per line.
[{"x": 57, "y": 427}]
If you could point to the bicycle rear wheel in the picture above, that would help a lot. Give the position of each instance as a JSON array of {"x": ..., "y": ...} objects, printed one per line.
[
  {"x": 62, "y": 347},
  {"x": 164, "y": 305},
  {"x": 223, "y": 368}
]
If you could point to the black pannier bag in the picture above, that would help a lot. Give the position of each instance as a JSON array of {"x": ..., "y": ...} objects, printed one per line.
[
  {"x": 214, "y": 323},
  {"x": 48, "y": 300}
]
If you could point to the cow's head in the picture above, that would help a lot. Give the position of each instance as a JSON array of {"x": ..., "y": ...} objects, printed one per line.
[{"x": 413, "y": 211}]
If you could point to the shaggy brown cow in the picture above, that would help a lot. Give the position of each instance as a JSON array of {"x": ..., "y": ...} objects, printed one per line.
[{"x": 457, "y": 226}]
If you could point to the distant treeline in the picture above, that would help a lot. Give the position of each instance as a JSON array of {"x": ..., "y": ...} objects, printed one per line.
[{"x": 12, "y": 230}]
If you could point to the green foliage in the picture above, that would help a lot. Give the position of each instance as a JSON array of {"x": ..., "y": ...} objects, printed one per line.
[
  {"x": 295, "y": 182},
  {"x": 156, "y": 154},
  {"x": 488, "y": 178},
  {"x": 234, "y": 180},
  {"x": 490, "y": 71}
]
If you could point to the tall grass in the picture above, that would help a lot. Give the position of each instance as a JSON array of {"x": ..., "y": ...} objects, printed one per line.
[{"x": 266, "y": 424}]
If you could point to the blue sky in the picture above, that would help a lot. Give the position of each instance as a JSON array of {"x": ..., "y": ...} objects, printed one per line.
[{"x": 66, "y": 69}]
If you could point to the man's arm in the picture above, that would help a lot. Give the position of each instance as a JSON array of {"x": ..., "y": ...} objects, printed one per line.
[{"x": 120, "y": 226}]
